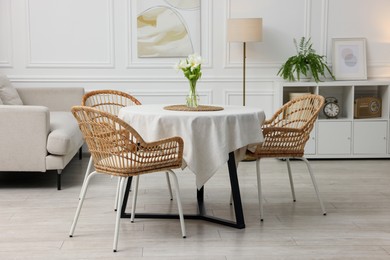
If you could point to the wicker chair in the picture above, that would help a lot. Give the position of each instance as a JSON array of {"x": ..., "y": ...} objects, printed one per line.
[
  {"x": 118, "y": 150},
  {"x": 112, "y": 101},
  {"x": 285, "y": 136}
]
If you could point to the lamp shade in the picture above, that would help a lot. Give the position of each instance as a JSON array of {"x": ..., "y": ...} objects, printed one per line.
[{"x": 245, "y": 30}]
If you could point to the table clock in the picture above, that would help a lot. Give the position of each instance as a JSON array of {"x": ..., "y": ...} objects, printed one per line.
[{"x": 331, "y": 108}]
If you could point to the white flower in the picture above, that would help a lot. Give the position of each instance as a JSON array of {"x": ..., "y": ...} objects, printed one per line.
[
  {"x": 194, "y": 60},
  {"x": 191, "y": 67},
  {"x": 182, "y": 64}
]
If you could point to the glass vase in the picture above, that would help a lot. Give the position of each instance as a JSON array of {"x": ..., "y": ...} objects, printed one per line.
[{"x": 192, "y": 98}]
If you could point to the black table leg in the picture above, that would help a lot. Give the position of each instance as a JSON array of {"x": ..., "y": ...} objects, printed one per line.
[
  {"x": 239, "y": 223},
  {"x": 236, "y": 191}
]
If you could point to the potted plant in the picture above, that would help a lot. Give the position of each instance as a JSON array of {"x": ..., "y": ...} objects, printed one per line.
[{"x": 305, "y": 63}]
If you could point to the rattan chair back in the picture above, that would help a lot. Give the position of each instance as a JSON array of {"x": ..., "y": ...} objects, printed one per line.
[
  {"x": 117, "y": 149},
  {"x": 287, "y": 132},
  {"x": 110, "y": 101}
]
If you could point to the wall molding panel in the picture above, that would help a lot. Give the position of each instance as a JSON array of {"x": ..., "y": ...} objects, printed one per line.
[
  {"x": 307, "y": 21},
  {"x": 6, "y": 46},
  {"x": 171, "y": 97},
  {"x": 254, "y": 98},
  {"x": 127, "y": 79},
  {"x": 166, "y": 97},
  {"x": 368, "y": 20},
  {"x": 231, "y": 50},
  {"x": 324, "y": 29},
  {"x": 45, "y": 48},
  {"x": 90, "y": 43}
]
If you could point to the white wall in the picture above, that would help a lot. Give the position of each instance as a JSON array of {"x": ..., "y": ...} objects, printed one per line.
[{"x": 88, "y": 43}]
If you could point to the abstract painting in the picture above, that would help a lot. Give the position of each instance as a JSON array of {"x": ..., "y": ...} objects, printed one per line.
[{"x": 168, "y": 28}]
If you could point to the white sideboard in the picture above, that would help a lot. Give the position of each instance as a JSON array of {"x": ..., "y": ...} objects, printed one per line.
[{"x": 346, "y": 136}]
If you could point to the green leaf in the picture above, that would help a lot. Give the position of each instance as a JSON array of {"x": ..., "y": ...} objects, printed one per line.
[{"x": 304, "y": 61}]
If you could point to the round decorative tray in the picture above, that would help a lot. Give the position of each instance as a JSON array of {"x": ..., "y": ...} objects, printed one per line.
[{"x": 198, "y": 108}]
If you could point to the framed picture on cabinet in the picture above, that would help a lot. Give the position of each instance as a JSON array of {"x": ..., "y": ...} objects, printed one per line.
[{"x": 349, "y": 58}]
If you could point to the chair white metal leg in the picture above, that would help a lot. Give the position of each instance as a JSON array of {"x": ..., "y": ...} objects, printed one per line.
[
  {"x": 83, "y": 192},
  {"x": 87, "y": 173},
  {"x": 135, "y": 194},
  {"x": 291, "y": 179},
  {"x": 169, "y": 188},
  {"x": 122, "y": 181},
  {"x": 136, "y": 191},
  {"x": 177, "y": 191},
  {"x": 314, "y": 184},
  {"x": 117, "y": 195},
  {"x": 259, "y": 194},
  {"x": 169, "y": 185}
]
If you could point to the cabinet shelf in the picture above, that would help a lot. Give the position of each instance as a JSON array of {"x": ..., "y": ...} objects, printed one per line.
[{"x": 347, "y": 136}]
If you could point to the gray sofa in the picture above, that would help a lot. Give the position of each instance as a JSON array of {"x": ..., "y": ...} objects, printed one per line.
[{"x": 41, "y": 134}]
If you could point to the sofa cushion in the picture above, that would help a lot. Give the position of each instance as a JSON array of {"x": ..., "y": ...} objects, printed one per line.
[
  {"x": 65, "y": 135},
  {"x": 8, "y": 94}
]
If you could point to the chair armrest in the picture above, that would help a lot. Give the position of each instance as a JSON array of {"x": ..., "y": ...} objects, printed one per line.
[
  {"x": 165, "y": 148},
  {"x": 23, "y": 138},
  {"x": 281, "y": 141}
]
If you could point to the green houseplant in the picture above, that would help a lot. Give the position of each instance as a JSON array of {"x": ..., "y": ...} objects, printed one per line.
[{"x": 305, "y": 63}]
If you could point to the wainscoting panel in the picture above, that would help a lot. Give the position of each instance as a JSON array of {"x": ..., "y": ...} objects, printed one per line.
[
  {"x": 280, "y": 27},
  {"x": 5, "y": 34},
  {"x": 361, "y": 19},
  {"x": 168, "y": 97},
  {"x": 90, "y": 43},
  {"x": 70, "y": 33},
  {"x": 262, "y": 99}
]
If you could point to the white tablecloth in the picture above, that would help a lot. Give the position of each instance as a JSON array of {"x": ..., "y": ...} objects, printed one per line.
[{"x": 208, "y": 137}]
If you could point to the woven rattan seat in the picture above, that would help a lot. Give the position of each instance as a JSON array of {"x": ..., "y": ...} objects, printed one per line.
[
  {"x": 118, "y": 150},
  {"x": 111, "y": 101},
  {"x": 285, "y": 136}
]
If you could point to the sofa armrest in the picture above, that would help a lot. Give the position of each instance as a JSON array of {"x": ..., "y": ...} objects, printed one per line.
[
  {"x": 56, "y": 98},
  {"x": 23, "y": 138}
]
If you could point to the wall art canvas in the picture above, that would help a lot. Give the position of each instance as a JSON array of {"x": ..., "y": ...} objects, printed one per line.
[
  {"x": 349, "y": 59},
  {"x": 168, "y": 28}
]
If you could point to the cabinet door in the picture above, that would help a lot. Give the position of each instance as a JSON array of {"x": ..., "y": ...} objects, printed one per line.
[
  {"x": 334, "y": 137},
  {"x": 310, "y": 147},
  {"x": 370, "y": 137}
]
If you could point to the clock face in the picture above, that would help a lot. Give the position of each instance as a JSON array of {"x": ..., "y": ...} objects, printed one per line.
[
  {"x": 374, "y": 106},
  {"x": 331, "y": 110}
]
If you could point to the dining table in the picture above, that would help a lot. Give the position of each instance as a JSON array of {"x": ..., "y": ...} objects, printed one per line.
[{"x": 212, "y": 135}]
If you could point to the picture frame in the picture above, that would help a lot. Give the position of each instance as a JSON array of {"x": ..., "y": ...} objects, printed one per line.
[
  {"x": 168, "y": 29},
  {"x": 349, "y": 58},
  {"x": 135, "y": 61}
]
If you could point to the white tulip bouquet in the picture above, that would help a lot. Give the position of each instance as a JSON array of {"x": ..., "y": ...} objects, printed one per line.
[{"x": 192, "y": 69}]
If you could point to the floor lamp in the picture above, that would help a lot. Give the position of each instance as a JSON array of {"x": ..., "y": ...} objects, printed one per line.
[{"x": 244, "y": 30}]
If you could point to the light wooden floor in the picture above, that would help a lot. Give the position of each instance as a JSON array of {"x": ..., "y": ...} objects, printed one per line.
[{"x": 35, "y": 218}]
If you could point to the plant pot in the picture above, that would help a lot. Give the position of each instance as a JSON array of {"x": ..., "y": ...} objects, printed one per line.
[{"x": 305, "y": 78}]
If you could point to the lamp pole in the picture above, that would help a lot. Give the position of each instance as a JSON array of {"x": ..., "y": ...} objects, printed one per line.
[
  {"x": 244, "y": 30},
  {"x": 243, "y": 72}
]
